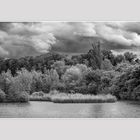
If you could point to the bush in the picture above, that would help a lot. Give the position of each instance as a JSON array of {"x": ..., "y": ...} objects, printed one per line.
[
  {"x": 18, "y": 85},
  {"x": 40, "y": 93},
  {"x": 126, "y": 85},
  {"x": 5, "y": 81},
  {"x": 37, "y": 81},
  {"x": 2, "y": 96},
  {"x": 23, "y": 97},
  {"x": 74, "y": 77},
  {"x": 83, "y": 68},
  {"x": 73, "y": 74},
  {"x": 12, "y": 97},
  {"x": 93, "y": 81},
  {"x": 18, "y": 97},
  {"x": 60, "y": 67},
  {"x": 19, "y": 89},
  {"x": 81, "y": 89},
  {"x": 106, "y": 65},
  {"x": 124, "y": 67},
  {"x": 136, "y": 93},
  {"x": 49, "y": 80},
  {"x": 23, "y": 80},
  {"x": 93, "y": 88},
  {"x": 53, "y": 92},
  {"x": 71, "y": 91},
  {"x": 93, "y": 76},
  {"x": 59, "y": 86}
]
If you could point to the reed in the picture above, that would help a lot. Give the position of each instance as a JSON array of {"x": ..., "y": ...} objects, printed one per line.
[
  {"x": 80, "y": 98},
  {"x": 74, "y": 98}
]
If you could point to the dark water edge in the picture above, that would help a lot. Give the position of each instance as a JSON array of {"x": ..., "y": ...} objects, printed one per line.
[{"x": 35, "y": 109}]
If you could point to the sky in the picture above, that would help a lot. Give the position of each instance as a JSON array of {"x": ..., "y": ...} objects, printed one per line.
[{"x": 19, "y": 39}]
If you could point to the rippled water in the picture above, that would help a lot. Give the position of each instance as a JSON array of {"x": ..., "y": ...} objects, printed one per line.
[{"x": 53, "y": 110}]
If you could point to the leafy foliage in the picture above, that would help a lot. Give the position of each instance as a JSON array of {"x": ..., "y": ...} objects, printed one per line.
[
  {"x": 96, "y": 72},
  {"x": 106, "y": 65},
  {"x": 2, "y": 96}
]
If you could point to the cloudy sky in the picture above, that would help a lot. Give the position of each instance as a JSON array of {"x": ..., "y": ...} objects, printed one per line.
[{"x": 22, "y": 39}]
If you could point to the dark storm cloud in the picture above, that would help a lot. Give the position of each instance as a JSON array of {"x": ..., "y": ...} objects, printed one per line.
[
  {"x": 79, "y": 44},
  {"x": 20, "y": 39},
  {"x": 113, "y": 35},
  {"x": 5, "y": 26},
  {"x": 133, "y": 27}
]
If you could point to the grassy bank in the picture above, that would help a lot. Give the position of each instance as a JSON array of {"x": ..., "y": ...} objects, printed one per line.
[{"x": 74, "y": 98}]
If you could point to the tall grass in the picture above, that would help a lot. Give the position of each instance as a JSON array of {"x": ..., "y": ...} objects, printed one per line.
[
  {"x": 74, "y": 98},
  {"x": 80, "y": 98}
]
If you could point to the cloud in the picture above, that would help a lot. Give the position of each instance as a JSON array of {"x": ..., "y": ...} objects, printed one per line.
[
  {"x": 132, "y": 27},
  {"x": 29, "y": 38},
  {"x": 117, "y": 35},
  {"x": 24, "y": 39},
  {"x": 42, "y": 43},
  {"x": 3, "y": 52}
]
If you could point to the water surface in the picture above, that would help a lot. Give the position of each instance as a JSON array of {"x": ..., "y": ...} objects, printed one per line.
[{"x": 36, "y": 109}]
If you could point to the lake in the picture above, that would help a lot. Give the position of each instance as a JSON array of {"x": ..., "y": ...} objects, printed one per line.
[{"x": 35, "y": 109}]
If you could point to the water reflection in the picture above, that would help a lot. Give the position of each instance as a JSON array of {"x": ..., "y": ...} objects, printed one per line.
[{"x": 47, "y": 110}]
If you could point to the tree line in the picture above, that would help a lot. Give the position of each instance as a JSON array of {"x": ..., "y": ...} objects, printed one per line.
[{"x": 98, "y": 71}]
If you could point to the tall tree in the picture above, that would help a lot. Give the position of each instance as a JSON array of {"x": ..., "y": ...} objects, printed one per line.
[{"x": 94, "y": 56}]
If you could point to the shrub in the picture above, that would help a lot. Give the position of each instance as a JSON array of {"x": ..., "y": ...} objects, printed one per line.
[
  {"x": 12, "y": 97},
  {"x": 23, "y": 97},
  {"x": 136, "y": 92},
  {"x": 18, "y": 97},
  {"x": 93, "y": 81},
  {"x": 40, "y": 93},
  {"x": 37, "y": 82},
  {"x": 73, "y": 74},
  {"x": 93, "y": 76},
  {"x": 106, "y": 65},
  {"x": 60, "y": 67},
  {"x": 93, "y": 88},
  {"x": 18, "y": 85},
  {"x": 53, "y": 76},
  {"x": 19, "y": 89},
  {"x": 81, "y": 89},
  {"x": 124, "y": 66},
  {"x": 22, "y": 82},
  {"x": 59, "y": 86},
  {"x": 126, "y": 85},
  {"x": 83, "y": 68},
  {"x": 50, "y": 80},
  {"x": 2, "y": 96},
  {"x": 53, "y": 92},
  {"x": 129, "y": 56},
  {"x": 107, "y": 78},
  {"x": 71, "y": 91},
  {"x": 5, "y": 81},
  {"x": 44, "y": 82}
]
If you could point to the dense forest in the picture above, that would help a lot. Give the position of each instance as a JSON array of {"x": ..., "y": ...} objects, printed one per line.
[{"x": 96, "y": 72}]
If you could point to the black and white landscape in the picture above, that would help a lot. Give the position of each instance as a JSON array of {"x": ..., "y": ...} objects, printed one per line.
[{"x": 69, "y": 69}]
